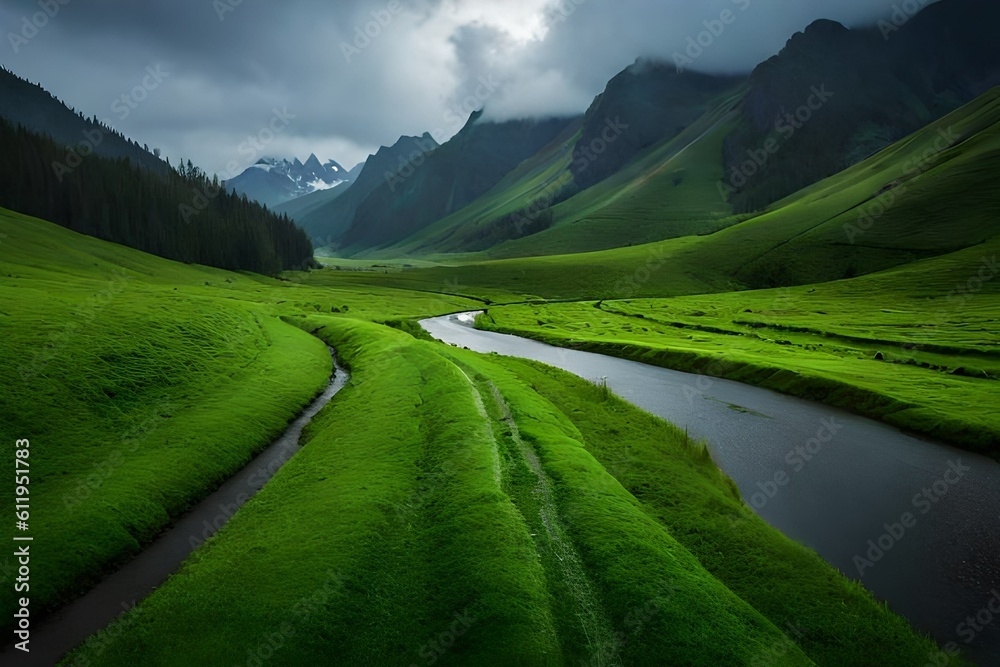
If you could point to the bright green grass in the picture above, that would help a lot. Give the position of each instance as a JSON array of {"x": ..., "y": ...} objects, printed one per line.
[
  {"x": 937, "y": 337},
  {"x": 142, "y": 384},
  {"x": 531, "y": 504},
  {"x": 945, "y": 201},
  {"x": 833, "y": 621},
  {"x": 414, "y": 513}
]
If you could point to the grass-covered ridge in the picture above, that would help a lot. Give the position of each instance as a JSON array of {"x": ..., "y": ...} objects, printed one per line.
[
  {"x": 522, "y": 515},
  {"x": 928, "y": 195},
  {"x": 142, "y": 384},
  {"x": 914, "y": 346}
]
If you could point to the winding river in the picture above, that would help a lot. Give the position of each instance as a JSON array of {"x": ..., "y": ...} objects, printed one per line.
[
  {"x": 68, "y": 627},
  {"x": 917, "y": 521}
]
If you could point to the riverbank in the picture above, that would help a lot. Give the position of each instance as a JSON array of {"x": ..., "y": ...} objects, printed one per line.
[
  {"x": 945, "y": 393},
  {"x": 827, "y": 478},
  {"x": 480, "y": 505}
]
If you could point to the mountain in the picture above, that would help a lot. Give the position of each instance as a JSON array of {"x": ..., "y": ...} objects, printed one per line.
[
  {"x": 664, "y": 154},
  {"x": 306, "y": 204},
  {"x": 640, "y": 166},
  {"x": 833, "y": 95},
  {"x": 31, "y": 106},
  {"x": 272, "y": 181},
  {"x": 646, "y": 104},
  {"x": 452, "y": 176},
  {"x": 327, "y": 222}
]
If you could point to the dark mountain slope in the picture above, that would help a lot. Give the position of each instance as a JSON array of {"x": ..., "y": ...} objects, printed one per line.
[
  {"x": 453, "y": 176},
  {"x": 834, "y": 96},
  {"x": 646, "y": 104},
  {"x": 328, "y": 222}
]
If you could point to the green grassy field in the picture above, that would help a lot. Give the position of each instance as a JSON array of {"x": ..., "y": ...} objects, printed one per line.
[
  {"x": 928, "y": 195},
  {"x": 914, "y": 346},
  {"x": 143, "y": 383},
  {"x": 451, "y": 506},
  {"x": 488, "y": 512}
]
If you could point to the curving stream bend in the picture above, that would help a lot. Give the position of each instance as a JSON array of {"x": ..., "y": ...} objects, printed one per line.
[
  {"x": 837, "y": 482},
  {"x": 68, "y": 627}
]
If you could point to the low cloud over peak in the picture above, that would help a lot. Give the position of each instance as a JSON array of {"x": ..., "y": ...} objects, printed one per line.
[{"x": 358, "y": 74}]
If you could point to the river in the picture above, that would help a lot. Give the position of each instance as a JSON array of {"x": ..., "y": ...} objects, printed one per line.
[
  {"x": 917, "y": 521},
  {"x": 69, "y": 626}
]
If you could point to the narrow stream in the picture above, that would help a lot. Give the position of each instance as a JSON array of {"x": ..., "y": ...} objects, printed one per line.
[
  {"x": 844, "y": 485},
  {"x": 68, "y": 627}
]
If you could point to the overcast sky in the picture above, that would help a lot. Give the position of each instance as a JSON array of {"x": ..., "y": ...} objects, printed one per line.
[{"x": 225, "y": 66}]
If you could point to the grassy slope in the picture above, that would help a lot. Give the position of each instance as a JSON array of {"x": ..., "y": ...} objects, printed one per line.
[
  {"x": 668, "y": 192},
  {"x": 143, "y": 383},
  {"x": 542, "y": 175},
  {"x": 938, "y": 338},
  {"x": 528, "y": 522},
  {"x": 937, "y": 198},
  {"x": 787, "y": 583}
]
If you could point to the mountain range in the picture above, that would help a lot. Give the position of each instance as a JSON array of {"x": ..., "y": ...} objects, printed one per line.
[
  {"x": 272, "y": 181},
  {"x": 659, "y": 154},
  {"x": 662, "y": 153}
]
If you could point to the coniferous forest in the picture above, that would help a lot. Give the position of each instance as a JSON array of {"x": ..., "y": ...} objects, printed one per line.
[{"x": 181, "y": 215}]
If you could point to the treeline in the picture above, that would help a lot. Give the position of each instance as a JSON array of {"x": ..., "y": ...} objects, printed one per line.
[{"x": 180, "y": 215}]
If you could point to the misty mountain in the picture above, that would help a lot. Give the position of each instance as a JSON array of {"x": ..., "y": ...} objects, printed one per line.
[
  {"x": 274, "y": 181},
  {"x": 453, "y": 176},
  {"x": 306, "y": 204},
  {"x": 834, "y": 96},
  {"x": 644, "y": 105},
  {"x": 327, "y": 222}
]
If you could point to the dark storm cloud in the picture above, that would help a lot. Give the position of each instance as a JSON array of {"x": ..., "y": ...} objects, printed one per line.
[{"x": 352, "y": 75}]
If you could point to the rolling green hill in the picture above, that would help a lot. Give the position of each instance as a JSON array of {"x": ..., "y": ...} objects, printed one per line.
[
  {"x": 928, "y": 195},
  {"x": 183, "y": 361}
]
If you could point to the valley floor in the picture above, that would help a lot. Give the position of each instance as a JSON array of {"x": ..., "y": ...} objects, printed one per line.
[{"x": 448, "y": 506}]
